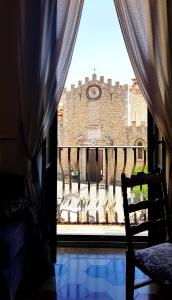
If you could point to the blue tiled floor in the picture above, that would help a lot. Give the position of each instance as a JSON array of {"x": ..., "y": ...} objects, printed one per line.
[{"x": 91, "y": 274}]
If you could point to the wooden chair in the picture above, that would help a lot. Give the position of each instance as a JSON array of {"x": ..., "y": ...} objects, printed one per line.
[{"x": 156, "y": 259}]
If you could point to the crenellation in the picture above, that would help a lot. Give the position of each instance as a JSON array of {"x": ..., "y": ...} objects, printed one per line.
[
  {"x": 72, "y": 86},
  {"x": 117, "y": 83},
  {"x": 133, "y": 123},
  {"x": 79, "y": 82},
  {"x": 94, "y": 76},
  {"x": 86, "y": 79},
  {"x": 101, "y": 78},
  {"x": 109, "y": 81}
]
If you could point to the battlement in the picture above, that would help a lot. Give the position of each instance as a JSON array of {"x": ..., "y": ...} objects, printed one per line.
[
  {"x": 109, "y": 81},
  {"x": 72, "y": 86},
  {"x": 135, "y": 87},
  {"x": 116, "y": 85},
  {"x": 86, "y": 79},
  {"x": 134, "y": 124}
]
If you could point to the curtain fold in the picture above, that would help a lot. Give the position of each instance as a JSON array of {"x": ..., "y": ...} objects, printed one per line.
[
  {"x": 147, "y": 31},
  {"x": 44, "y": 62},
  {"x": 144, "y": 25},
  {"x": 47, "y": 31}
]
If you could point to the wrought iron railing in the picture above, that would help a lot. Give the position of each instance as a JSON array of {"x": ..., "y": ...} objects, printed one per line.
[{"x": 88, "y": 186}]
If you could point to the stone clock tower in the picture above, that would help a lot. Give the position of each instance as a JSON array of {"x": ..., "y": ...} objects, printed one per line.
[{"x": 95, "y": 113}]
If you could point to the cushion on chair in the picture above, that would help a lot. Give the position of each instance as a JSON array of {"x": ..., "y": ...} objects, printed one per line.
[
  {"x": 156, "y": 261},
  {"x": 12, "y": 238}
]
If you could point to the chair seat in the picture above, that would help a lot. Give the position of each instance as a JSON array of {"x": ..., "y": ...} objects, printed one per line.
[{"x": 157, "y": 262}]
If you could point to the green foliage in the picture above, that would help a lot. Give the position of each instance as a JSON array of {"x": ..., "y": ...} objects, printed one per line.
[
  {"x": 137, "y": 192},
  {"x": 136, "y": 189},
  {"x": 140, "y": 169}
]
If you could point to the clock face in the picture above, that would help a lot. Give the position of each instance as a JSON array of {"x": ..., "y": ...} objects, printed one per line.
[{"x": 93, "y": 92}]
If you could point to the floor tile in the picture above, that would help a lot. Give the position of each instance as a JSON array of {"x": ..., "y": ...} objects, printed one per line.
[{"x": 91, "y": 274}]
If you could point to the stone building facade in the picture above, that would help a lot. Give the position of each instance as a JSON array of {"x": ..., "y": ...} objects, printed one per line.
[{"x": 97, "y": 113}]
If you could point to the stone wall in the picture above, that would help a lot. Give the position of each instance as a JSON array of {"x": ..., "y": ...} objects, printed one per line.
[{"x": 107, "y": 121}]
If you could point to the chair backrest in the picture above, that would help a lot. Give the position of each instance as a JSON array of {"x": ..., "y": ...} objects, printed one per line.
[{"x": 154, "y": 218}]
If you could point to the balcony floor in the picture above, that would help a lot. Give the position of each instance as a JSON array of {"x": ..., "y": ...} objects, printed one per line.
[
  {"x": 98, "y": 229},
  {"x": 72, "y": 198}
]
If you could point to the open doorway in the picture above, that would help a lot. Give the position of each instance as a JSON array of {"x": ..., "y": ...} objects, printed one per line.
[
  {"x": 95, "y": 173},
  {"x": 100, "y": 117}
]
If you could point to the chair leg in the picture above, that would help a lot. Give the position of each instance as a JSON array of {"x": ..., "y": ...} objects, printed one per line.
[{"x": 130, "y": 276}]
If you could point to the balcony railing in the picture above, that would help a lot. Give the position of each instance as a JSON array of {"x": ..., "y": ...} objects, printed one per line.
[{"x": 89, "y": 187}]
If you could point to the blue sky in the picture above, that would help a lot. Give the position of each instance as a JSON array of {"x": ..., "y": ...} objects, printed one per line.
[{"x": 99, "y": 44}]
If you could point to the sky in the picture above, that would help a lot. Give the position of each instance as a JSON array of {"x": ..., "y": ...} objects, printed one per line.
[{"x": 99, "y": 45}]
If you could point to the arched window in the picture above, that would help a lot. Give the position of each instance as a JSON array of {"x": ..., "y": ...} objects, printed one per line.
[{"x": 140, "y": 150}]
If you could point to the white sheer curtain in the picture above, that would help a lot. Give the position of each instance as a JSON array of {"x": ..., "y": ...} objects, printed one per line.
[
  {"x": 46, "y": 49},
  {"x": 47, "y": 32},
  {"x": 147, "y": 30}
]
